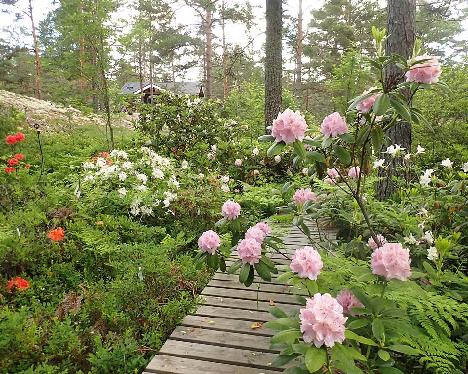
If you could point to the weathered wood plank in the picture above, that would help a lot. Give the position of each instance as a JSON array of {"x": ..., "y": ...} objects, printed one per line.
[
  {"x": 262, "y": 287},
  {"x": 225, "y": 312},
  {"x": 263, "y": 306},
  {"x": 178, "y": 365},
  {"x": 250, "y": 295},
  {"x": 228, "y": 325}
]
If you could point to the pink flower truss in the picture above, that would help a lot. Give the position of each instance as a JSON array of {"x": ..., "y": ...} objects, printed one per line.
[
  {"x": 373, "y": 245},
  {"x": 249, "y": 250},
  {"x": 348, "y": 301},
  {"x": 333, "y": 125},
  {"x": 354, "y": 172},
  {"x": 209, "y": 241},
  {"x": 329, "y": 180},
  {"x": 289, "y": 126},
  {"x": 425, "y": 71},
  {"x": 391, "y": 261},
  {"x": 307, "y": 263},
  {"x": 333, "y": 173},
  {"x": 302, "y": 195},
  {"x": 365, "y": 105},
  {"x": 255, "y": 233},
  {"x": 264, "y": 227},
  {"x": 322, "y": 321},
  {"x": 231, "y": 210}
]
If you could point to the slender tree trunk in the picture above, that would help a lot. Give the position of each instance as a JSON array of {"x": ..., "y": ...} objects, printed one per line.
[
  {"x": 208, "y": 24},
  {"x": 299, "y": 48},
  {"x": 140, "y": 65},
  {"x": 37, "y": 57},
  {"x": 273, "y": 61},
  {"x": 401, "y": 36},
  {"x": 225, "y": 62}
]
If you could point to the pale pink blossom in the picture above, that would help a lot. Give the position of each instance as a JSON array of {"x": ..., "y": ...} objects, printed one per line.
[
  {"x": 302, "y": 195},
  {"x": 348, "y": 301},
  {"x": 322, "y": 321},
  {"x": 354, "y": 172},
  {"x": 231, "y": 210},
  {"x": 249, "y": 251},
  {"x": 365, "y": 105},
  {"x": 255, "y": 233},
  {"x": 238, "y": 162},
  {"x": 329, "y": 180},
  {"x": 391, "y": 261},
  {"x": 373, "y": 245},
  {"x": 209, "y": 241},
  {"x": 425, "y": 71},
  {"x": 307, "y": 263},
  {"x": 264, "y": 227},
  {"x": 289, "y": 126},
  {"x": 333, "y": 173},
  {"x": 333, "y": 125}
]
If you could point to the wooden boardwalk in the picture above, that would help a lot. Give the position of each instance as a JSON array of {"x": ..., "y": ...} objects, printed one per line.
[{"x": 225, "y": 335}]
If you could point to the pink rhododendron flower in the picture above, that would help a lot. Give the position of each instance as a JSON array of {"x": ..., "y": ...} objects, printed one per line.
[
  {"x": 322, "y": 321},
  {"x": 348, "y": 301},
  {"x": 289, "y": 126},
  {"x": 333, "y": 173},
  {"x": 302, "y": 195},
  {"x": 329, "y": 180},
  {"x": 255, "y": 233},
  {"x": 249, "y": 251},
  {"x": 231, "y": 210},
  {"x": 391, "y": 261},
  {"x": 354, "y": 172},
  {"x": 307, "y": 263},
  {"x": 426, "y": 71},
  {"x": 333, "y": 125},
  {"x": 365, "y": 105},
  {"x": 238, "y": 162},
  {"x": 264, "y": 227},
  {"x": 373, "y": 245},
  {"x": 209, "y": 241}
]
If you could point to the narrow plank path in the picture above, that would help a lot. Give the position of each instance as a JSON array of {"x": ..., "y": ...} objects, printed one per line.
[{"x": 225, "y": 335}]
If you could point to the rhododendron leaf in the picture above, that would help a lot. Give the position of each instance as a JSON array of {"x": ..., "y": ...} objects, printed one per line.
[
  {"x": 313, "y": 142},
  {"x": 360, "y": 339},
  {"x": 300, "y": 348},
  {"x": 312, "y": 286},
  {"x": 377, "y": 138},
  {"x": 363, "y": 298},
  {"x": 348, "y": 353},
  {"x": 297, "y": 160},
  {"x": 390, "y": 370},
  {"x": 358, "y": 323},
  {"x": 315, "y": 358},
  {"x": 296, "y": 370},
  {"x": 222, "y": 264},
  {"x": 286, "y": 337},
  {"x": 277, "y": 312},
  {"x": 381, "y": 104},
  {"x": 270, "y": 264},
  {"x": 360, "y": 98},
  {"x": 220, "y": 222},
  {"x": 315, "y": 156},
  {"x": 401, "y": 109},
  {"x": 285, "y": 276},
  {"x": 299, "y": 149},
  {"x": 282, "y": 360},
  {"x": 348, "y": 367},
  {"x": 234, "y": 267},
  {"x": 212, "y": 261},
  {"x": 362, "y": 134},
  {"x": 275, "y": 149},
  {"x": 250, "y": 277},
  {"x": 327, "y": 142},
  {"x": 263, "y": 271},
  {"x": 378, "y": 329},
  {"x": 266, "y": 138},
  {"x": 406, "y": 349},
  {"x": 282, "y": 324},
  {"x": 348, "y": 138},
  {"x": 342, "y": 154},
  {"x": 384, "y": 355},
  {"x": 244, "y": 273}
]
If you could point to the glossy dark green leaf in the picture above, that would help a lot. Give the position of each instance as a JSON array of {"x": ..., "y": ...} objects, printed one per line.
[
  {"x": 266, "y": 138},
  {"x": 277, "y": 312},
  {"x": 381, "y": 104},
  {"x": 263, "y": 271},
  {"x": 275, "y": 149},
  {"x": 401, "y": 108},
  {"x": 406, "y": 349},
  {"x": 244, "y": 273},
  {"x": 286, "y": 337},
  {"x": 360, "y": 339},
  {"x": 377, "y": 138},
  {"x": 315, "y": 358},
  {"x": 343, "y": 155},
  {"x": 378, "y": 329},
  {"x": 384, "y": 355}
]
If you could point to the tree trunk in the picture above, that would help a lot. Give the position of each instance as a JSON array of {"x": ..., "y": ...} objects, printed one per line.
[
  {"x": 225, "y": 67},
  {"x": 273, "y": 61},
  {"x": 299, "y": 48},
  {"x": 208, "y": 25},
  {"x": 401, "y": 36},
  {"x": 37, "y": 57}
]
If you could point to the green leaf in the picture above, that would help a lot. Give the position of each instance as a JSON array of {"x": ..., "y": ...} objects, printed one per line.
[
  {"x": 282, "y": 360},
  {"x": 299, "y": 149},
  {"x": 266, "y": 138},
  {"x": 342, "y": 154},
  {"x": 285, "y": 276},
  {"x": 360, "y": 339},
  {"x": 362, "y": 134},
  {"x": 235, "y": 266},
  {"x": 296, "y": 370},
  {"x": 315, "y": 358},
  {"x": 250, "y": 277},
  {"x": 348, "y": 367},
  {"x": 357, "y": 324},
  {"x": 312, "y": 142},
  {"x": 381, "y": 104},
  {"x": 406, "y": 349},
  {"x": 275, "y": 149},
  {"x": 286, "y": 337},
  {"x": 377, "y": 138},
  {"x": 212, "y": 261},
  {"x": 384, "y": 355},
  {"x": 327, "y": 142},
  {"x": 315, "y": 156},
  {"x": 281, "y": 324},
  {"x": 263, "y": 271},
  {"x": 401, "y": 109},
  {"x": 244, "y": 273},
  {"x": 348, "y": 138},
  {"x": 222, "y": 264},
  {"x": 390, "y": 370},
  {"x": 277, "y": 312},
  {"x": 378, "y": 329}
]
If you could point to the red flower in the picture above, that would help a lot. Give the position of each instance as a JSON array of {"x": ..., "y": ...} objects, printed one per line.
[
  {"x": 17, "y": 282},
  {"x": 13, "y": 162},
  {"x": 56, "y": 235},
  {"x": 104, "y": 154},
  {"x": 19, "y": 156},
  {"x": 11, "y": 139},
  {"x": 27, "y": 166},
  {"x": 9, "y": 170},
  {"x": 19, "y": 137}
]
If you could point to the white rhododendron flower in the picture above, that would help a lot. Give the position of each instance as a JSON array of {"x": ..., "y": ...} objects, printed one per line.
[
  {"x": 277, "y": 158},
  {"x": 127, "y": 165},
  {"x": 379, "y": 163},
  {"x": 394, "y": 150},
  {"x": 410, "y": 239},
  {"x": 157, "y": 173},
  {"x": 122, "y": 191},
  {"x": 423, "y": 212},
  {"x": 119, "y": 154},
  {"x": 214, "y": 148},
  {"x": 211, "y": 155},
  {"x": 420, "y": 150},
  {"x": 432, "y": 253},
  {"x": 122, "y": 176},
  {"x": 255, "y": 151},
  {"x": 225, "y": 178},
  {"x": 447, "y": 163},
  {"x": 142, "y": 178},
  {"x": 225, "y": 188},
  {"x": 465, "y": 167},
  {"x": 238, "y": 162},
  {"x": 407, "y": 156},
  {"x": 184, "y": 164},
  {"x": 305, "y": 171},
  {"x": 141, "y": 188},
  {"x": 100, "y": 162},
  {"x": 88, "y": 166},
  {"x": 425, "y": 179},
  {"x": 428, "y": 237}
]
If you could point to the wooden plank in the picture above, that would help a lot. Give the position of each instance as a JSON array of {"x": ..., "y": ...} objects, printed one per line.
[
  {"x": 224, "y": 355},
  {"x": 227, "y": 325},
  {"x": 217, "y": 311},
  {"x": 250, "y": 295},
  {"x": 263, "y": 306},
  {"x": 164, "y": 364},
  {"x": 235, "y": 278},
  {"x": 261, "y": 287},
  {"x": 220, "y": 338}
]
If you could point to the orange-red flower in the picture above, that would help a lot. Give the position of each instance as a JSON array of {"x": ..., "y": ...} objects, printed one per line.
[
  {"x": 13, "y": 162},
  {"x": 9, "y": 170},
  {"x": 10, "y": 139},
  {"x": 19, "y": 137},
  {"x": 56, "y": 235},
  {"x": 27, "y": 166},
  {"x": 19, "y": 283},
  {"x": 19, "y": 156}
]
